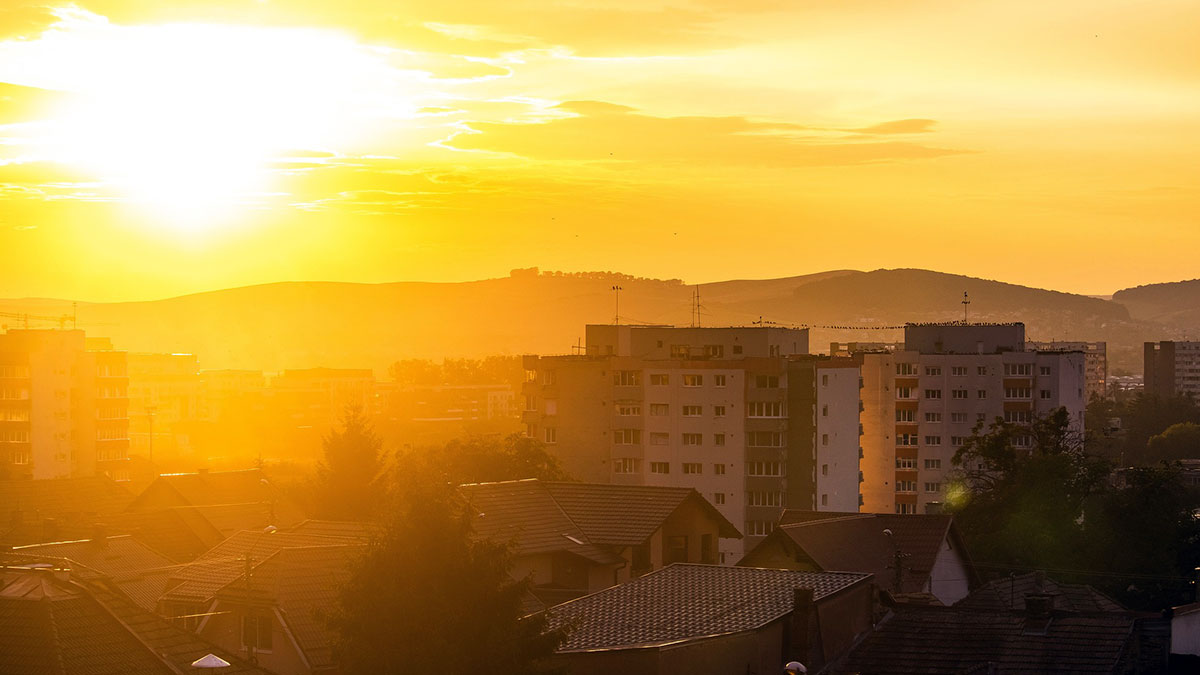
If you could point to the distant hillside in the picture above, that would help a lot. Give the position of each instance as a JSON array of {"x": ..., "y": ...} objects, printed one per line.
[
  {"x": 1176, "y": 305},
  {"x": 291, "y": 325}
]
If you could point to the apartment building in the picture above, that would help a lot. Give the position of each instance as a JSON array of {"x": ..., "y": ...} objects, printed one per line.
[
  {"x": 1095, "y": 362},
  {"x": 1172, "y": 368},
  {"x": 64, "y": 407},
  {"x": 165, "y": 390},
  {"x": 730, "y": 412},
  {"x": 921, "y": 401}
]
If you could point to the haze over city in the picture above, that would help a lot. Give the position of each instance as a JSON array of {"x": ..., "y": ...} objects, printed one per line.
[{"x": 848, "y": 337}]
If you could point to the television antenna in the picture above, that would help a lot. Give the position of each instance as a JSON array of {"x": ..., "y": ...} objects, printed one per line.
[{"x": 965, "y": 301}]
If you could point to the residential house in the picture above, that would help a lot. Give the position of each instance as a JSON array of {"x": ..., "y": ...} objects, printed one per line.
[
  {"x": 211, "y": 488},
  {"x": 57, "y": 509},
  {"x": 135, "y": 569}
]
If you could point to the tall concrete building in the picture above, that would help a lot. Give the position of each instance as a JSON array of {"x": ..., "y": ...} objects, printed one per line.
[
  {"x": 922, "y": 399},
  {"x": 1172, "y": 368},
  {"x": 730, "y": 412},
  {"x": 1095, "y": 362},
  {"x": 64, "y": 407}
]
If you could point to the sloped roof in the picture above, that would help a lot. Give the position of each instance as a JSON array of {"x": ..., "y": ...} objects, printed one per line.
[
  {"x": 303, "y": 583},
  {"x": 855, "y": 541},
  {"x": 218, "y": 488},
  {"x": 685, "y": 601},
  {"x": 954, "y": 640},
  {"x": 525, "y": 513},
  {"x": 626, "y": 515},
  {"x": 63, "y": 631},
  {"x": 346, "y": 529},
  {"x": 1008, "y": 593},
  {"x": 74, "y": 504},
  {"x": 199, "y": 580},
  {"x": 137, "y": 570}
]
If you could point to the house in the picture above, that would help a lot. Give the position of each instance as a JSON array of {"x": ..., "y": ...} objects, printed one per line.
[
  {"x": 931, "y": 553},
  {"x": 575, "y": 538},
  {"x": 57, "y": 509},
  {"x": 276, "y": 614},
  {"x": 53, "y": 620},
  {"x": 688, "y": 618},
  {"x": 1009, "y": 593},
  {"x": 209, "y": 488},
  {"x": 184, "y": 532},
  {"x": 132, "y": 567}
]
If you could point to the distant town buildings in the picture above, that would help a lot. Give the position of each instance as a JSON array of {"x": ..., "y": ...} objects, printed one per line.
[
  {"x": 1172, "y": 368},
  {"x": 64, "y": 406}
]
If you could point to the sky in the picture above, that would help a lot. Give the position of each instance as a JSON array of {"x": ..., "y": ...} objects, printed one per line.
[{"x": 151, "y": 148}]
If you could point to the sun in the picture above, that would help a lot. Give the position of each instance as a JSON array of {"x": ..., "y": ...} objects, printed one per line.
[{"x": 188, "y": 120}]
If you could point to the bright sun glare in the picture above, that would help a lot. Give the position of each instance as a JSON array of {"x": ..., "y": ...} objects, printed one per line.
[{"x": 187, "y": 119}]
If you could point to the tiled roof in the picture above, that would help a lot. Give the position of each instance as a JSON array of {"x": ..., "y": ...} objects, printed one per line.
[
  {"x": 218, "y": 488},
  {"x": 199, "y": 580},
  {"x": 73, "y": 503},
  {"x": 1008, "y": 593},
  {"x": 345, "y": 529},
  {"x": 303, "y": 583},
  {"x": 63, "y": 631},
  {"x": 953, "y": 640},
  {"x": 138, "y": 571},
  {"x": 626, "y": 515},
  {"x": 683, "y": 601},
  {"x": 525, "y": 513},
  {"x": 855, "y": 541},
  {"x": 168, "y": 531}
]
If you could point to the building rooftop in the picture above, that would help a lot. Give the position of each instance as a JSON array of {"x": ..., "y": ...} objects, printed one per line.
[
  {"x": 140, "y": 573},
  {"x": 1009, "y": 593},
  {"x": 73, "y": 504},
  {"x": 683, "y": 602}
]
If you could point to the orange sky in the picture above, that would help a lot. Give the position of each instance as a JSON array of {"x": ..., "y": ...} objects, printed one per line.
[{"x": 152, "y": 148}]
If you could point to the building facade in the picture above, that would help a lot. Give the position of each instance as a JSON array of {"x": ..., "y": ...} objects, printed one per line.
[
  {"x": 64, "y": 407},
  {"x": 921, "y": 402},
  {"x": 1172, "y": 368},
  {"x": 1095, "y": 362}
]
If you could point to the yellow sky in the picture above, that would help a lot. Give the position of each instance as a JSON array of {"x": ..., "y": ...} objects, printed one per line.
[{"x": 151, "y": 148}]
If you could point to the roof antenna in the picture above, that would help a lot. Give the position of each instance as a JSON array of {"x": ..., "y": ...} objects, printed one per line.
[
  {"x": 617, "y": 314},
  {"x": 696, "y": 306},
  {"x": 965, "y": 301}
]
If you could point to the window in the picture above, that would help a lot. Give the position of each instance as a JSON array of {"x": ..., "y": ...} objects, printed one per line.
[
  {"x": 641, "y": 557},
  {"x": 824, "y": 469},
  {"x": 629, "y": 409},
  {"x": 1044, "y": 370},
  {"x": 764, "y": 409},
  {"x": 718, "y": 498},
  {"x": 906, "y": 486},
  {"x": 677, "y": 548},
  {"x": 933, "y": 393},
  {"x": 550, "y": 435},
  {"x": 719, "y": 440},
  {"x": 714, "y": 351},
  {"x": 958, "y": 371},
  {"x": 933, "y": 464},
  {"x": 718, "y": 380},
  {"x": 627, "y": 436},
  {"x": 958, "y": 417},
  {"x": 627, "y": 378},
  {"x": 759, "y": 528},
  {"x": 718, "y": 411},
  {"x": 824, "y": 439},
  {"x": 906, "y": 369},
  {"x": 693, "y": 467},
  {"x": 766, "y": 381},
  {"x": 958, "y": 441},
  {"x": 933, "y": 487},
  {"x": 773, "y": 350},
  {"x": 980, "y": 417},
  {"x": 660, "y": 379},
  {"x": 737, "y": 349},
  {"x": 933, "y": 370},
  {"x": 764, "y": 468},
  {"x": 906, "y": 509},
  {"x": 708, "y": 551},
  {"x": 981, "y": 393},
  {"x": 904, "y": 392},
  {"x": 256, "y": 632},
  {"x": 764, "y": 439},
  {"x": 1022, "y": 441},
  {"x": 1018, "y": 369},
  {"x": 981, "y": 370},
  {"x": 693, "y": 439},
  {"x": 1020, "y": 392},
  {"x": 824, "y": 500},
  {"x": 824, "y": 380},
  {"x": 660, "y": 467},
  {"x": 933, "y": 417},
  {"x": 625, "y": 465},
  {"x": 1044, "y": 393},
  {"x": 906, "y": 439},
  {"x": 660, "y": 438},
  {"x": 907, "y": 415},
  {"x": 906, "y": 463},
  {"x": 933, "y": 440},
  {"x": 548, "y": 377},
  {"x": 1017, "y": 416},
  {"x": 679, "y": 351},
  {"x": 764, "y": 498},
  {"x": 958, "y": 393},
  {"x": 14, "y": 435},
  {"x": 693, "y": 380},
  {"x": 824, "y": 411},
  {"x": 659, "y": 409},
  {"x": 693, "y": 410},
  {"x": 719, "y": 469}
]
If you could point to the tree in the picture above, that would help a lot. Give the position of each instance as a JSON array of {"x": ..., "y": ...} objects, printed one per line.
[
  {"x": 347, "y": 483},
  {"x": 428, "y": 598},
  {"x": 1022, "y": 490},
  {"x": 1178, "y": 441},
  {"x": 478, "y": 459}
]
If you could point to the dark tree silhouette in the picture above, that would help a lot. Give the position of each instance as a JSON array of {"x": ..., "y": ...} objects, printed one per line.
[
  {"x": 428, "y": 598},
  {"x": 478, "y": 459},
  {"x": 347, "y": 485}
]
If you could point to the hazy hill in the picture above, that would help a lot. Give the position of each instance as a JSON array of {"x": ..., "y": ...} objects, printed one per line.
[
  {"x": 1175, "y": 304},
  {"x": 286, "y": 325}
]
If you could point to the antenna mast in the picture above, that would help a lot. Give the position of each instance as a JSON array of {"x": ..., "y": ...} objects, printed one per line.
[
  {"x": 617, "y": 313},
  {"x": 696, "y": 307},
  {"x": 965, "y": 301}
]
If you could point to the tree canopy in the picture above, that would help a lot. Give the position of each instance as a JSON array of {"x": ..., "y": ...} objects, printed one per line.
[
  {"x": 347, "y": 484},
  {"x": 478, "y": 459}
]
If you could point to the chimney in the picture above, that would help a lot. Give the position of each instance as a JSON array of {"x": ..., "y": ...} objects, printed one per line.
[{"x": 799, "y": 646}]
